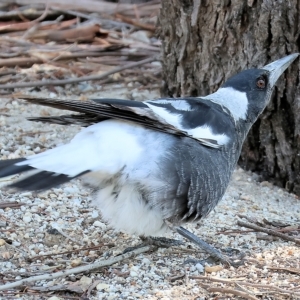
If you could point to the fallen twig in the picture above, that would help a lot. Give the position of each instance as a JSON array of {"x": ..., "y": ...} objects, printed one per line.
[
  {"x": 71, "y": 251},
  {"x": 94, "y": 6},
  {"x": 14, "y": 204},
  {"x": 290, "y": 270},
  {"x": 231, "y": 291},
  {"x": 28, "y": 61},
  {"x": 35, "y": 294},
  {"x": 289, "y": 228},
  {"x": 234, "y": 232},
  {"x": 92, "y": 286},
  {"x": 250, "y": 219},
  {"x": 80, "y": 79},
  {"x": 136, "y": 23},
  {"x": 87, "y": 268},
  {"x": 25, "y": 25},
  {"x": 100, "y": 20},
  {"x": 78, "y": 34},
  {"x": 256, "y": 285},
  {"x": 176, "y": 277},
  {"x": 241, "y": 288},
  {"x": 266, "y": 237},
  {"x": 5, "y": 72},
  {"x": 269, "y": 231}
]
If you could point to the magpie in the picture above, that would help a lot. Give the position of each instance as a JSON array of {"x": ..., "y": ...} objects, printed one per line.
[{"x": 156, "y": 164}]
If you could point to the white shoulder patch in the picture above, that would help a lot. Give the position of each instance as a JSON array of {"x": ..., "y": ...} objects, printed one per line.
[
  {"x": 177, "y": 104},
  {"x": 203, "y": 134},
  {"x": 170, "y": 118},
  {"x": 235, "y": 101}
]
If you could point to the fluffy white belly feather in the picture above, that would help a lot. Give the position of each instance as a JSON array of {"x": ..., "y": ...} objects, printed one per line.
[{"x": 128, "y": 212}]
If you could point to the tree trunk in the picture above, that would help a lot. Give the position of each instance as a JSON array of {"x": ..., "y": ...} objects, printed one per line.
[{"x": 205, "y": 42}]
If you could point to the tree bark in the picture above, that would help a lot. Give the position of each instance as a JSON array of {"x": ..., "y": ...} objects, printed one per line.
[{"x": 205, "y": 42}]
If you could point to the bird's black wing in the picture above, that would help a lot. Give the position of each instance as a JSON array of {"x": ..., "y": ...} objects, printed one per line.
[{"x": 200, "y": 119}]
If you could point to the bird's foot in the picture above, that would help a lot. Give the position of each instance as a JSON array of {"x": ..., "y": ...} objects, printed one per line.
[
  {"x": 160, "y": 242},
  {"x": 236, "y": 256},
  {"x": 232, "y": 260}
]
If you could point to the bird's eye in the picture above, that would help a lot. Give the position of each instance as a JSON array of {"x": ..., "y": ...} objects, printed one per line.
[{"x": 261, "y": 82}]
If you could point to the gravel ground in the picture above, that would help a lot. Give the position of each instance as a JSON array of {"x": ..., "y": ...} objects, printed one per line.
[{"x": 63, "y": 220}]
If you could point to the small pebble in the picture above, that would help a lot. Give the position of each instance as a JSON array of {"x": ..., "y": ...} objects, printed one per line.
[
  {"x": 99, "y": 224},
  {"x": 27, "y": 218},
  {"x": 102, "y": 287},
  {"x": 200, "y": 268}
]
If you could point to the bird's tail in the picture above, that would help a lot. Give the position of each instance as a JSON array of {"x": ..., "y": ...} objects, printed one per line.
[
  {"x": 96, "y": 149},
  {"x": 52, "y": 167},
  {"x": 10, "y": 167},
  {"x": 38, "y": 180}
]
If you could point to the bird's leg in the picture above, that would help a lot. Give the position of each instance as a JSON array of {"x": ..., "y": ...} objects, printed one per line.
[
  {"x": 161, "y": 242},
  {"x": 214, "y": 253}
]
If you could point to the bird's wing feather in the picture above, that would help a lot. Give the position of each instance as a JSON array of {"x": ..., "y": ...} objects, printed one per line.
[{"x": 193, "y": 117}]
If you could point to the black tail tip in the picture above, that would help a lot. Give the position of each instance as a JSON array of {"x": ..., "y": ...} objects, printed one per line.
[{"x": 9, "y": 167}]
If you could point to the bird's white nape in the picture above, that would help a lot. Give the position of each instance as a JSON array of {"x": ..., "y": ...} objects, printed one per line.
[{"x": 235, "y": 101}]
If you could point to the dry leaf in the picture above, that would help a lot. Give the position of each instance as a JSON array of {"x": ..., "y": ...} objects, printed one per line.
[
  {"x": 76, "y": 262},
  {"x": 216, "y": 268},
  {"x": 85, "y": 282},
  {"x": 6, "y": 255},
  {"x": 83, "y": 34}
]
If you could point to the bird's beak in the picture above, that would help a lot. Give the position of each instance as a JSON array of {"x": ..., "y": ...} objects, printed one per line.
[{"x": 277, "y": 67}]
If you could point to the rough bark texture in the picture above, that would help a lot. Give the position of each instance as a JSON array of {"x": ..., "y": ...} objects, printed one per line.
[{"x": 205, "y": 42}]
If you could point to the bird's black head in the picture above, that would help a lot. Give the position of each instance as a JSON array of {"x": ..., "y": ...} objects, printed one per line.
[
  {"x": 246, "y": 94},
  {"x": 253, "y": 90}
]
